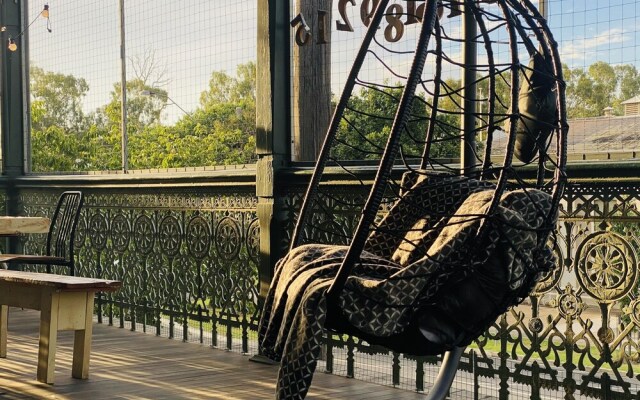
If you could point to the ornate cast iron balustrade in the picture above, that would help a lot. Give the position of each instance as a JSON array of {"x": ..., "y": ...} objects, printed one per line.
[
  {"x": 576, "y": 336},
  {"x": 188, "y": 259},
  {"x": 189, "y": 263}
]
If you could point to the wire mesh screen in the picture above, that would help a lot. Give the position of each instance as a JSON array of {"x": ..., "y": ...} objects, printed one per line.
[
  {"x": 600, "y": 46},
  {"x": 598, "y": 43},
  {"x": 71, "y": 79},
  {"x": 377, "y": 123},
  {"x": 190, "y": 84}
]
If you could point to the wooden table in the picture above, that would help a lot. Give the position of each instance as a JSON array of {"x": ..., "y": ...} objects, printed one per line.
[
  {"x": 65, "y": 303},
  {"x": 10, "y": 226}
]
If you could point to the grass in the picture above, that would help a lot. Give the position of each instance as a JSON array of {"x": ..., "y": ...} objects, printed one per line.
[{"x": 493, "y": 348}]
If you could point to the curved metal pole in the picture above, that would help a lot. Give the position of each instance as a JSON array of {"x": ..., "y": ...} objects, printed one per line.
[
  {"x": 312, "y": 189},
  {"x": 447, "y": 372},
  {"x": 468, "y": 157},
  {"x": 386, "y": 163},
  {"x": 437, "y": 81}
]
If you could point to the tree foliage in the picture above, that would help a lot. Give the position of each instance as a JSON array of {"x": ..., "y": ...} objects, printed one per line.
[
  {"x": 221, "y": 130},
  {"x": 64, "y": 138},
  {"x": 601, "y": 85},
  {"x": 57, "y": 100},
  {"x": 368, "y": 119}
]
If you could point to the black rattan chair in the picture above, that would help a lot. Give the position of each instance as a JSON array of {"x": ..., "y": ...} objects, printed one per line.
[
  {"x": 60, "y": 238},
  {"x": 436, "y": 256}
]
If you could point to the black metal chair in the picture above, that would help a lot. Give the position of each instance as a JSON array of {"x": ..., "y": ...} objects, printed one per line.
[{"x": 60, "y": 238}]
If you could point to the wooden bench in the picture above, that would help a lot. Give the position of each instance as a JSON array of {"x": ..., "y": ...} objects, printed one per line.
[
  {"x": 65, "y": 303},
  {"x": 11, "y": 226}
]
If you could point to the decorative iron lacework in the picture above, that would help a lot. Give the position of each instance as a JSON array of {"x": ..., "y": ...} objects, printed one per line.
[
  {"x": 188, "y": 260},
  {"x": 181, "y": 256},
  {"x": 576, "y": 337}
]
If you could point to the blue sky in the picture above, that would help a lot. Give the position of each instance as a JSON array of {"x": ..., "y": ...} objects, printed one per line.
[
  {"x": 189, "y": 39},
  {"x": 602, "y": 30}
]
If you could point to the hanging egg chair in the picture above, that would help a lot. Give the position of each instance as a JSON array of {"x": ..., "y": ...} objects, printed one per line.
[{"x": 438, "y": 249}]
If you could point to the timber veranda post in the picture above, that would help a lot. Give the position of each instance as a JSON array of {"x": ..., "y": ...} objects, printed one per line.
[
  {"x": 311, "y": 77},
  {"x": 15, "y": 95},
  {"x": 273, "y": 132}
]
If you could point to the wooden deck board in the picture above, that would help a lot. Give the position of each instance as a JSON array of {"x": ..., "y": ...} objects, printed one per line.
[{"x": 132, "y": 365}]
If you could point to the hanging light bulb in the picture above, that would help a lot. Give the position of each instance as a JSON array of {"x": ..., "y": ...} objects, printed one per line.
[
  {"x": 12, "y": 45},
  {"x": 45, "y": 12}
]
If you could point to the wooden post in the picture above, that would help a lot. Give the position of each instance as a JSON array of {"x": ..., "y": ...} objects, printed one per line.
[
  {"x": 312, "y": 79},
  {"x": 4, "y": 318},
  {"x": 15, "y": 104},
  {"x": 14, "y": 91},
  {"x": 543, "y": 7},
  {"x": 48, "y": 336},
  {"x": 273, "y": 135}
]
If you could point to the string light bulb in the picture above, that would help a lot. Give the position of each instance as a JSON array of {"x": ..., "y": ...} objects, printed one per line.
[{"x": 12, "y": 45}]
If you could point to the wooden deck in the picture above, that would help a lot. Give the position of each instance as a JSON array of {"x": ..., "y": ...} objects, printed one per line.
[{"x": 131, "y": 365}]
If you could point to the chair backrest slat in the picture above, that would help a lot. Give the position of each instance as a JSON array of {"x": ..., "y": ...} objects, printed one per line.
[{"x": 60, "y": 239}]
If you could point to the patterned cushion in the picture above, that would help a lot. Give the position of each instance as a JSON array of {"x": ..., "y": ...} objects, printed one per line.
[
  {"x": 512, "y": 262},
  {"x": 426, "y": 197},
  {"x": 416, "y": 242}
]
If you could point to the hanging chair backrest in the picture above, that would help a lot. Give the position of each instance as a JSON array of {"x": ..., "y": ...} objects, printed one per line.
[
  {"x": 515, "y": 104},
  {"x": 456, "y": 288}
]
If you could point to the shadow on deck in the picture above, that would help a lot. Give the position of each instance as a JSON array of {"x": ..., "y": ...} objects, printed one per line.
[{"x": 132, "y": 365}]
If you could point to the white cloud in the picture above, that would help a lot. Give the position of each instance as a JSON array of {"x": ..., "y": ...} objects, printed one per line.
[{"x": 578, "y": 49}]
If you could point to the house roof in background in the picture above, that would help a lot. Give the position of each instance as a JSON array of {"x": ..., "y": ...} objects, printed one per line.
[
  {"x": 632, "y": 100},
  {"x": 605, "y": 133},
  {"x": 595, "y": 135}
]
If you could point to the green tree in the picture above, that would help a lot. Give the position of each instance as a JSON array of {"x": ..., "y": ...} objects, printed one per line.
[
  {"x": 601, "y": 85},
  {"x": 605, "y": 81},
  {"x": 224, "y": 89},
  {"x": 56, "y": 100},
  {"x": 628, "y": 84},
  {"x": 221, "y": 131},
  {"x": 368, "y": 119},
  {"x": 58, "y": 124},
  {"x": 144, "y": 105},
  {"x": 578, "y": 92}
]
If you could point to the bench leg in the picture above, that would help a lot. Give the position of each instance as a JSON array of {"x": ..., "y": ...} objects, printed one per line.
[
  {"x": 4, "y": 320},
  {"x": 82, "y": 343},
  {"x": 48, "y": 337}
]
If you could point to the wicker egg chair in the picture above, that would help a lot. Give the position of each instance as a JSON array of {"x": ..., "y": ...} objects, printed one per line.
[{"x": 439, "y": 250}]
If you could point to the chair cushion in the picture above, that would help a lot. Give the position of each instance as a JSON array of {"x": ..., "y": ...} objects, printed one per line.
[
  {"x": 537, "y": 107},
  {"x": 465, "y": 281},
  {"x": 498, "y": 262},
  {"x": 426, "y": 197},
  {"x": 505, "y": 264},
  {"x": 532, "y": 204}
]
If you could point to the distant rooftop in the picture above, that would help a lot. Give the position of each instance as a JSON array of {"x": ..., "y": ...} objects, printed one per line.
[
  {"x": 604, "y": 133},
  {"x": 632, "y": 100}
]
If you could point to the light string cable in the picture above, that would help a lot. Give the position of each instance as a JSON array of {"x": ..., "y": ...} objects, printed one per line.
[{"x": 12, "y": 46}]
